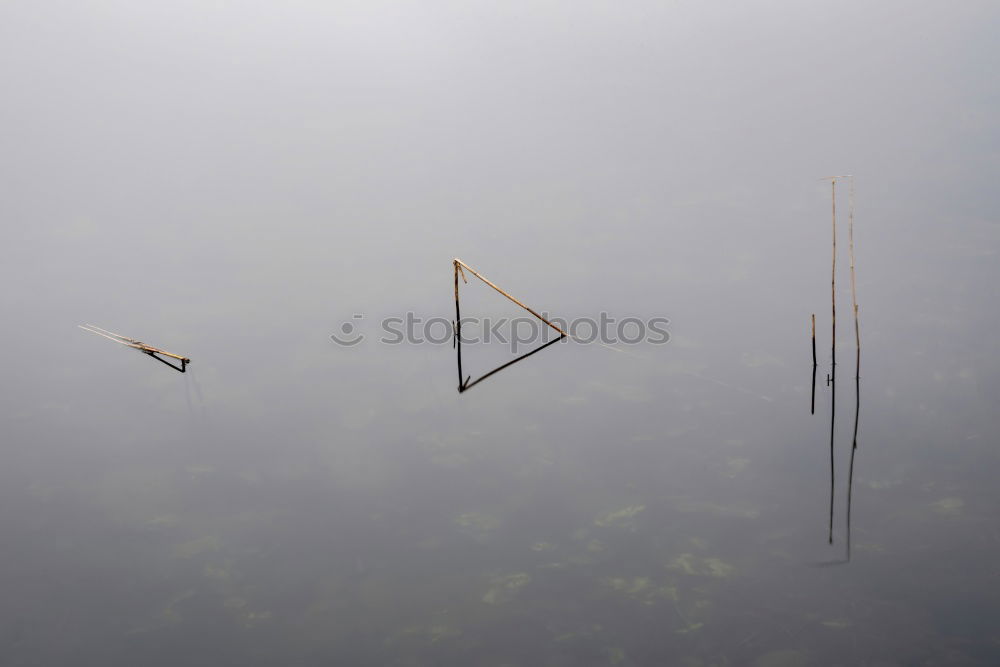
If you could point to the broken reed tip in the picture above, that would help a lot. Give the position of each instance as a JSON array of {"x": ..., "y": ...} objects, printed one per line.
[{"x": 138, "y": 345}]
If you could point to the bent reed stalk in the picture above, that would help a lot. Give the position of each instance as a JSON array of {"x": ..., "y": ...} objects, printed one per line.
[{"x": 459, "y": 264}]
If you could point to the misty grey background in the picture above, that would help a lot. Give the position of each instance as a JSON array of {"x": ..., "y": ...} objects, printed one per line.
[{"x": 232, "y": 181}]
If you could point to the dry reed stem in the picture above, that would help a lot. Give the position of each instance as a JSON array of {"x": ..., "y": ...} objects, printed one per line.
[
  {"x": 131, "y": 342},
  {"x": 854, "y": 291},
  {"x": 458, "y": 267},
  {"x": 814, "y": 337},
  {"x": 833, "y": 274}
]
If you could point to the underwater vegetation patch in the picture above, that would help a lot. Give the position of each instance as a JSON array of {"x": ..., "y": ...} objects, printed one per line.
[
  {"x": 201, "y": 545},
  {"x": 503, "y": 588},
  {"x": 783, "y": 658},
  {"x": 732, "y": 511},
  {"x": 692, "y": 565},
  {"x": 437, "y": 630},
  {"x": 240, "y": 609},
  {"x": 477, "y": 525},
  {"x": 734, "y": 466},
  {"x": 623, "y": 518},
  {"x": 949, "y": 506},
  {"x": 643, "y": 589},
  {"x": 171, "y": 611}
]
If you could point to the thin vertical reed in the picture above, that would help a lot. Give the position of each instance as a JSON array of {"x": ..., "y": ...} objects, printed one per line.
[
  {"x": 814, "y": 337},
  {"x": 833, "y": 274},
  {"x": 854, "y": 291},
  {"x": 812, "y": 403}
]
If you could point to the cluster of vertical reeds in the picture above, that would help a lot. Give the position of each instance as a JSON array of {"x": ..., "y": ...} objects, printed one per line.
[
  {"x": 831, "y": 378},
  {"x": 833, "y": 277}
]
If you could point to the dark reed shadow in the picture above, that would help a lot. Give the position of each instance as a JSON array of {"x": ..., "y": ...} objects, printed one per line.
[
  {"x": 854, "y": 449},
  {"x": 466, "y": 382},
  {"x": 182, "y": 368},
  {"x": 850, "y": 472},
  {"x": 812, "y": 403},
  {"x": 832, "y": 382}
]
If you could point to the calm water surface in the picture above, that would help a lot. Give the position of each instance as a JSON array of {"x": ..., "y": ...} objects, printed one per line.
[{"x": 292, "y": 501}]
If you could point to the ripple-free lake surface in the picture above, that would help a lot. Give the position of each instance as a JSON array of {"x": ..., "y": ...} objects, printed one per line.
[{"x": 236, "y": 192}]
